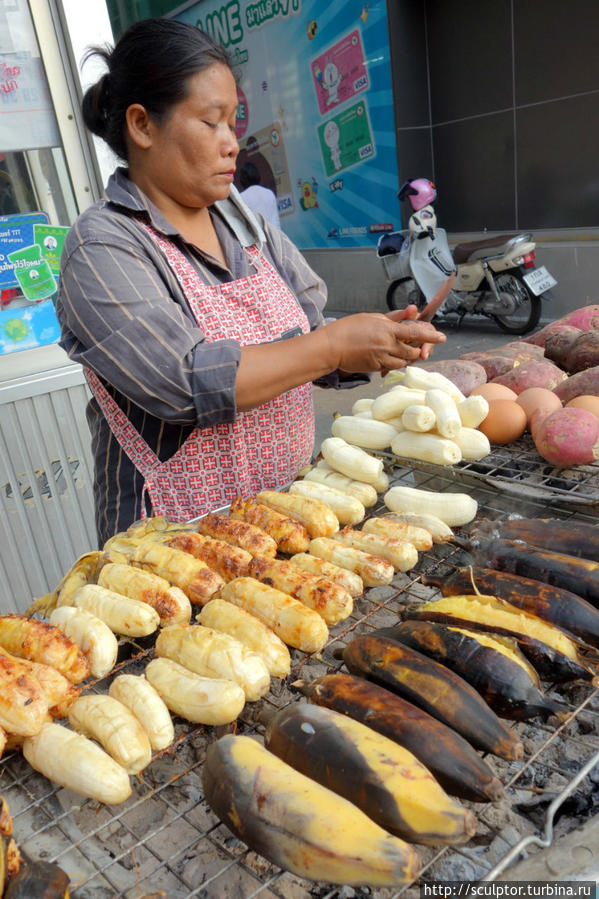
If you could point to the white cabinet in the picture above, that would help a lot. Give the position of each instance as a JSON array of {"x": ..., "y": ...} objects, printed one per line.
[{"x": 46, "y": 477}]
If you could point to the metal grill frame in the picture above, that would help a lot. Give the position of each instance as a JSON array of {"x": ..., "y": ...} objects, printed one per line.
[{"x": 169, "y": 840}]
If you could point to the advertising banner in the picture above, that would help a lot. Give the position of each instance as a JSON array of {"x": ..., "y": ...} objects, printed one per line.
[{"x": 316, "y": 111}]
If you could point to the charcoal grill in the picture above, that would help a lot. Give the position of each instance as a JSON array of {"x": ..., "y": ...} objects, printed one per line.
[{"x": 165, "y": 841}]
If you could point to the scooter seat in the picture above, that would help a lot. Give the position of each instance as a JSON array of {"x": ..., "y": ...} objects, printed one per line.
[{"x": 464, "y": 252}]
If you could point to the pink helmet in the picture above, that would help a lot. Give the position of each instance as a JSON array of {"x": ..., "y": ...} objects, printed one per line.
[{"x": 420, "y": 192}]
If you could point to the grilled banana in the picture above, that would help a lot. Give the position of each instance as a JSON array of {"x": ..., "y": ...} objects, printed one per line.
[
  {"x": 399, "y": 530},
  {"x": 92, "y": 635},
  {"x": 192, "y": 576},
  {"x": 203, "y": 700},
  {"x": 318, "y": 519},
  {"x": 572, "y": 538},
  {"x": 494, "y": 667},
  {"x": 551, "y": 651},
  {"x": 383, "y": 779},
  {"x": 71, "y": 760},
  {"x": 291, "y": 620},
  {"x": 373, "y": 570},
  {"x": 553, "y": 604},
  {"x": 346, "y": 508},
  {"x": 453, "y": 762},
  {"x": 215, "y": 654},
  {"x": 296, "y": 823},
  {"x": 253, "y": 539},
  {"x": 112, "y": 724},
  {"x": 402, "y": 555},
  {"x": 289, "y": 535},
  {"x": 330, "y": 600},
  {"x": 171, "y": 604},
  {"x": 221, "y": 615},
  {"x": 433, "y": 688},
  {"x": 23, "y": 705},
  {"x": 227, "y": 560},
  {"x": 57, "y": 690},
  {"x": 121, "y": 614},
  {"x": 349, "y": 580},
  {"x": 140, "y": 697},
  {"x": 39, "y": 641}
]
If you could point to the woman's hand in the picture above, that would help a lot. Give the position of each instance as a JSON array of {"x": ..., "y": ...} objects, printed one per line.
[
  {"x": 376, "y": 342},
  {"x": 410, "y": 313}
]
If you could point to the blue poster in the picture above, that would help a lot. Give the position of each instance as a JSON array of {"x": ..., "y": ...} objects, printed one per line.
[
  {"x": 16, "y": 233},
  {"x": 315, "y": 111},
  {"x": 26, "y": 327}
]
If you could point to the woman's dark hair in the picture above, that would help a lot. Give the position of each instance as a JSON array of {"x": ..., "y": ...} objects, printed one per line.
[{"x": 150, "y": 64}]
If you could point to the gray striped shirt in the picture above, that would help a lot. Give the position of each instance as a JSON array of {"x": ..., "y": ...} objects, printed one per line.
[{"x": 124, "y": 316}]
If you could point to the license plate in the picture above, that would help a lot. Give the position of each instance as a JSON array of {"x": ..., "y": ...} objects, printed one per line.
[{"x": 539, "y": 280}]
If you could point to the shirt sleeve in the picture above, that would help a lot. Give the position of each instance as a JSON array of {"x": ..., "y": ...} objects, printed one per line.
[{"x": 120, "y": 318}]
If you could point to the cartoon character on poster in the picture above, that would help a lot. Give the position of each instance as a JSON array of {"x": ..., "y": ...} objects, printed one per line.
[
  {"x": 331, "y": 79},
  {"x": 331, "y": 139}
]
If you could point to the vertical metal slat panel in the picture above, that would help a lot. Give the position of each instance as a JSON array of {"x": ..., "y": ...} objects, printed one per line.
[{"x": 45, "y": 491}]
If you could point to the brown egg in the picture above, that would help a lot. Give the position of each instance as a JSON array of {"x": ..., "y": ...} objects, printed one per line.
[
  {"x": 586, "y": 401},
  {"x": 505, "y": 422},
  {"x": 492, "y": 391},
  {"x": 538, "y": 398}
]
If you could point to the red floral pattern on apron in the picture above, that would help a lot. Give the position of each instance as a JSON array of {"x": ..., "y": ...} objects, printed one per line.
[{"x": 264, "y": 447}]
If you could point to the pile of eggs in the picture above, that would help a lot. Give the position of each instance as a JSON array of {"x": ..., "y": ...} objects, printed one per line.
[{"x": 509, "y": 413}]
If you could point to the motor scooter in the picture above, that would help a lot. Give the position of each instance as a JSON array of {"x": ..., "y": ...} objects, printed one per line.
[{"x": 495, "y": 277}]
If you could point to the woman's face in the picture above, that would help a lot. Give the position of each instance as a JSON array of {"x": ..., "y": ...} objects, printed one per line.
[{"x": 192, "y": 154}]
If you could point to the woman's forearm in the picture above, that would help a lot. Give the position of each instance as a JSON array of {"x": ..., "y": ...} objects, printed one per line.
[
  {"x": 269, "y": 369},
  {"x": 365, "y": 342}
]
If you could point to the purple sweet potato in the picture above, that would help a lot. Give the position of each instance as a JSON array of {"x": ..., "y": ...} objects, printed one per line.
[
  {"x": 559, "y": 344},
  {"x": 504, "y": 358},
  {"x": 568, "y": 437},
  {"x": 585, "y": 319},
  {"x": 584, "y": 352},
  {"x": 541, "y": 373},
  {"x": 583, "y": 383},
  {"x": 465, "y": 375}
]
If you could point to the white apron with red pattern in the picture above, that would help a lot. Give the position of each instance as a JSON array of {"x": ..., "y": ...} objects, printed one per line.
[{"x": 263, "y": 448}]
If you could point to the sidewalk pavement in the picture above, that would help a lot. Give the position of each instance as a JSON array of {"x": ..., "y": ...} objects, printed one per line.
[{"x": 464, "y": 339}]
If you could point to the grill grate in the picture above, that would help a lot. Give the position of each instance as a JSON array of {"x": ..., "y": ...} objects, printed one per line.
[{"x": 165, "y": 838}]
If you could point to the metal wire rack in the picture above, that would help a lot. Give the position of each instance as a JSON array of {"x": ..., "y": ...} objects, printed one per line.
[{"x": 165, "y": 842}]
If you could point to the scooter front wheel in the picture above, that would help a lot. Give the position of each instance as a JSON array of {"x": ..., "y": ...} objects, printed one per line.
[
  {"x": 527, "y": 307},
  {"x": 405, "y": 292}
]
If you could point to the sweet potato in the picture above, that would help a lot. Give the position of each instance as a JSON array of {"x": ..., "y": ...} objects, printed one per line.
[
  {"x": 567, "y": 437},
  {"x": 583, "y": 353},
  {"x": 585, "y": 319},
  {"x": 494, "y": 365},
  {"x": 504, "y": 358},
  {"x": 465, "y": 375},
  {"x": 582, "y": 383},
  {"x": 559, "y": 343},
  {"x": 542, "y": 373}
]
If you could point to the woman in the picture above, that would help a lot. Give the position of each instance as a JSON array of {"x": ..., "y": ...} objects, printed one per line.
[{"x": 199, "y": 327}]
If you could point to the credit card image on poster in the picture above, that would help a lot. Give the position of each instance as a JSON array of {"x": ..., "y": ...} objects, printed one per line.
[
  {"x": 265, "y": 148},
  {"x": 346, "y": 139},
  {"x": 339, "y": 72}
]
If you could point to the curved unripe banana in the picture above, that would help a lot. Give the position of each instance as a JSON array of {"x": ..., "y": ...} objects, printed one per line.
[
  {"x": 71, "y": 760},
  {"x": 203, "y": 700},
  {"x": 215, "y": 654},
  {"x": 122, "y": 615},
  {"x": 93, "y": 637},
  {"x": 140, "y": 697},
  {"x": 112, "y": 724}
]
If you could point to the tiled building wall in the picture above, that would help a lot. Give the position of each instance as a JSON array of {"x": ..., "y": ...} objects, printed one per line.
[{"x": 498, "y": 102}]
